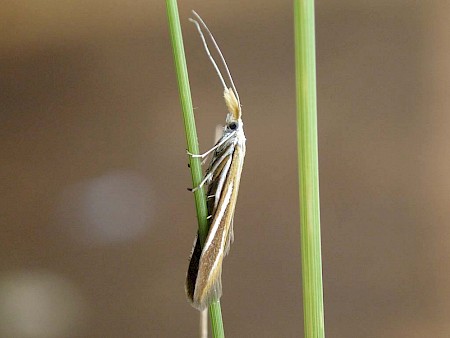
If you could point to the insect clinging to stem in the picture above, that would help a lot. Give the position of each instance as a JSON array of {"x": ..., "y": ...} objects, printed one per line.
[{"x": 222, "y": 178}]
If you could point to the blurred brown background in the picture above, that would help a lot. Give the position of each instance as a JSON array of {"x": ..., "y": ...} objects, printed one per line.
[{"x": 96, "y": 224}]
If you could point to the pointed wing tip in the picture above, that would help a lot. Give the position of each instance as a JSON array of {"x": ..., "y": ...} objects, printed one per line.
[{"x": 201, "y": 298}]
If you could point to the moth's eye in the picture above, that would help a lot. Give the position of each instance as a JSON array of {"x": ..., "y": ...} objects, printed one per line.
[{"x": 233, "y": 126}]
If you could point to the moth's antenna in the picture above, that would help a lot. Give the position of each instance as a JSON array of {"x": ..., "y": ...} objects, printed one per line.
[
  {"x": 208, "y": 52},
  {"x": 218, "y": 50}
]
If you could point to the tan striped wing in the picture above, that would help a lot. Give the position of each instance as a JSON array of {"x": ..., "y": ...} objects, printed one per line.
[{"x": 204, "y": 275}]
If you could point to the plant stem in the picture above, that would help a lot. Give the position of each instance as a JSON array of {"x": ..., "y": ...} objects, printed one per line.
[
  {"x": 192, "y": 143},
  {"x": 305, "y": 62}
]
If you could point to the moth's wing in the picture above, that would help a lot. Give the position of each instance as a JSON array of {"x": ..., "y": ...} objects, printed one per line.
[
  {"x": 208, "y": 285},
  {"x": 219, "y": 177},
  {"x": 215, "y": 188},
  {"x": 193, "y": 271},
  {"x": 230, "y": 237},
  {"x": 219, "y": 186},
  {"x": 240, "y": 154},
  {"x": 194, "y": 261}
]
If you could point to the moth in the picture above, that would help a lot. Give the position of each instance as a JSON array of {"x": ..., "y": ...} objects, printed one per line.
[{"x": 222, "y": 178}]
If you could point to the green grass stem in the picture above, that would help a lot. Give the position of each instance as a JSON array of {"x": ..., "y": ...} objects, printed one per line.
[
  {"x": 192, "y": 143},
  {"x": 305, "y": 62}
]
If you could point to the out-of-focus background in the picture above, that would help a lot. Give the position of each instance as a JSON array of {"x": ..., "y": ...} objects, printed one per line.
[{"x": 96, "y": 224}]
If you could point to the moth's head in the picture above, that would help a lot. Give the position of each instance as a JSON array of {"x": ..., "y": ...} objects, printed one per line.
[{"x": 234, "y": 107}]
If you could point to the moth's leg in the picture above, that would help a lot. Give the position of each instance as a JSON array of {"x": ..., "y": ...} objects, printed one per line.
[
  {"x": 212, "y": 171},
  {"x": 221, "y": 141},
  {"x": 215, "y": 164},
  {"x": 202, "y": 183}
]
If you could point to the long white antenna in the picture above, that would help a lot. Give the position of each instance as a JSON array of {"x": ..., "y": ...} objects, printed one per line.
[
  {"x": 218, "y": 50},
  {"x": 208, "y": 52}
]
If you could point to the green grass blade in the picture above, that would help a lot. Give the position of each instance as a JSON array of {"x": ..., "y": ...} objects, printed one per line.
[
  {"x": 305, "y": 62},
  {"x": 192, "y": 143}
]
